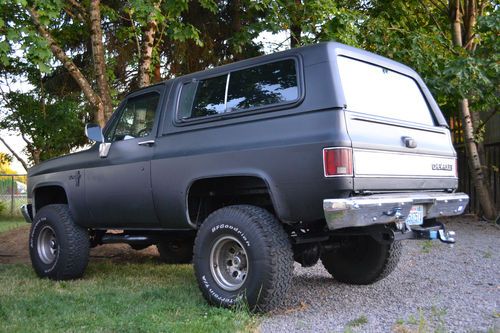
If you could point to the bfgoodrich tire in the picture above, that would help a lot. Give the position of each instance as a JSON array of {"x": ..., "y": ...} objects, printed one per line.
[
  {"x": 242, "y": 254},
  {"x": 59, "y": 249},
  {"x": 362, "y": 260}
]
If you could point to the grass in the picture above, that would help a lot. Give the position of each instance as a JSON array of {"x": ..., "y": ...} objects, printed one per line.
[
  {"x": 427, "y": 245},
  {"x": 7, "y": 224},
  {"x": 422, "y": 323},
  {"x": 113, "y": 297},
  {"x": 358, "y": 321},
  {"x": 486, "y": 254}
]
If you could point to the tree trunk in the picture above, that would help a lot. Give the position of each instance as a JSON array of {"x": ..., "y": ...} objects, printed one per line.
[
  {"x": 476, "y": 168},
  {"x": 70, "y": 66},
  {"x": 17, "y": 156},
  {"x": 468, "y": 18},
  {"x": 456, "y": 22},
  {"x": 295, "y": 24},
  {"x": 99, "y": 62},
  {"x": 157, "y": 73},
  {"x": 236, "y": 27},
  {"x": 147, "y": 50}
]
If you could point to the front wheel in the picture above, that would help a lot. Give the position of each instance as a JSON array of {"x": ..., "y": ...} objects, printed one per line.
[
  {"x": 242, "y": 254},
  {"x": 361, "y": 260},
  {"x": 59, "y": 249}
]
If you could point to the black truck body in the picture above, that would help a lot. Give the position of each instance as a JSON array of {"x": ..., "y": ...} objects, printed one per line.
[{"x": 288, "y": 133}]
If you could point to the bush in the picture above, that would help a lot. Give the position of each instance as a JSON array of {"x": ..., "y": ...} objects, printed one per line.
[{"x": 3, "y": 208}]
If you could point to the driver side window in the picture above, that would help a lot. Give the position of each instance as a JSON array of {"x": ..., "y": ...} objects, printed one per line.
[{"x": 136, "y": 118}]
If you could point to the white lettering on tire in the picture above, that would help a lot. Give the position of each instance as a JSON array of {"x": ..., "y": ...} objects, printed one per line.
[
  {"x": 232, "y": 228},
  {"x": 214, "y": 294}
]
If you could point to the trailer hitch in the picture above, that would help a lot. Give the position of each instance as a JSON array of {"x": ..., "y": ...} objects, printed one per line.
[{"x": 434, "y": 231}]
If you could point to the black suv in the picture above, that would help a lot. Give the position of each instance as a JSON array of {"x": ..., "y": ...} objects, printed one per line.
[{"x": 322, "y": 152}]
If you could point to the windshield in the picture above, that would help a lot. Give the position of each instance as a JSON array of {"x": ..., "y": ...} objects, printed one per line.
[{"x": 378, "y": 91}]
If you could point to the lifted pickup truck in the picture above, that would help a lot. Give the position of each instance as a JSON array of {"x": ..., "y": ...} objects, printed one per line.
[{"x": 322, "y": 152}]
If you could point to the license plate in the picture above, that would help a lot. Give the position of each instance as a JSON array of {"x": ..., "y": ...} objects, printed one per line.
[{"x": 416, "y": 215}]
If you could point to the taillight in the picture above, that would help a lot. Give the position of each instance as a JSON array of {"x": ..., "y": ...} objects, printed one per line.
[{"x": 337, "y": 162}]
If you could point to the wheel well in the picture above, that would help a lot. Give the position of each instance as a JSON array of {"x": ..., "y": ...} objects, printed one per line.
[
  {"x": 208, "y": 195},
  {"x": 48, "y": 195}
]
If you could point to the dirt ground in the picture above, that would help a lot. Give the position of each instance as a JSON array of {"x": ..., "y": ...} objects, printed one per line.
[{"x": 14, "y": 249}]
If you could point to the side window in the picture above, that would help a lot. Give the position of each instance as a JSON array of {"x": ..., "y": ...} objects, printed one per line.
[
  {"x": 203, "y": 98},
  {"x": 136, "y": 118},
  {"x": 262, "y": 85}
]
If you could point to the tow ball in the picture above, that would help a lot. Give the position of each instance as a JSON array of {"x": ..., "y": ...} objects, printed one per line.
[
  {"x": 446, "y": 236},
  {"x": 436, "y": 231}
]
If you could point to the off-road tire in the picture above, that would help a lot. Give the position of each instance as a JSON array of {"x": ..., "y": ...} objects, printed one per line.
[
  {"x": 268, "y": 255},
  {"x": 59, "y": 249},
  {"x": 178, "y": 251},
  {"x": 362, "y": 260}
]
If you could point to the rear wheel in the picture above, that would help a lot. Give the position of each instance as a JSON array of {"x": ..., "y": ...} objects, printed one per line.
[
  {"x": 176, "y": 251},
  {"x": 361, "y": 260},
  {"x": 59, "y": 249},
  {"x": 242, "y": 254}
]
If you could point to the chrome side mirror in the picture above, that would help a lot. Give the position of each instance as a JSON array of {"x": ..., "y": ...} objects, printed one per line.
[
  {"x": 94, "y": 133},
  {"x": 104, "y": 149}
]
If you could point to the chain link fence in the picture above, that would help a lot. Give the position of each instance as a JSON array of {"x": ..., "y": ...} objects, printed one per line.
[{"x": 13, "y": 195}]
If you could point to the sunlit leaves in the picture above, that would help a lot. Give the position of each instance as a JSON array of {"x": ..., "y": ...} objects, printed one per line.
[{"x": 53, "y": 126}]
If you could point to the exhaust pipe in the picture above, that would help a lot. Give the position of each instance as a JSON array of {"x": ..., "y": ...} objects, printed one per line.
[{"x": 128, "y": 239}]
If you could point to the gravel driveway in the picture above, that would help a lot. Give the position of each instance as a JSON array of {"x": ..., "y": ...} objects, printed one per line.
[{"x": 435, "y": 288}]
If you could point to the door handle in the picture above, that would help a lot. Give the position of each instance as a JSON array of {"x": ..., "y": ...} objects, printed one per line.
[
  {"x": 409, "y": 142},
  {"x": 147, "y": 143}
]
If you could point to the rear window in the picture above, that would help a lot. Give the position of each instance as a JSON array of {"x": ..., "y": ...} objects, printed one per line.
[
  {"x": 378, "y": 91},
  {"x": 259, "y": 86}
]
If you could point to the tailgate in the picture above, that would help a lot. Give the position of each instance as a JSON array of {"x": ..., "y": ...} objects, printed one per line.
[{"x": 396, "y": 142}]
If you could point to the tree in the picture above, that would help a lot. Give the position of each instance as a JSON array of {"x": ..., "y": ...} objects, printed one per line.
[
  {"x": 65, "y": 59},
  {"x": 463, "y": 17},
  {"x": 309, "y": 21},
  {"x": 453, "y": 45},
  {"x": 225, "y": 33},
  {"x": 43, "y": 12},
  {"x": 49, "y": 125},
  {"x": 5, "y": 161},
  {"x": 74, "y": 32}
]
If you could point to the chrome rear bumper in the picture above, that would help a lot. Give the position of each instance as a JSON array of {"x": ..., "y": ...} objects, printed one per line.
[{"x": 388, "y": 208}]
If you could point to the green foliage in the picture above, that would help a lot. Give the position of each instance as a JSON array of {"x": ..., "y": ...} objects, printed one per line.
[
  {"x": 5, "y": 161},
  {"x": 321, "y": 20},
  {"x": 53, "y": 126},
  {"x": 417, "y": 33},
  {"x": 360, "y": 321},
  {"x": 427, "y": 246}
]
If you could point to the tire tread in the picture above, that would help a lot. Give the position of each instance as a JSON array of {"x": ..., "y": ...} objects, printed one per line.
[
  {"x": 371, "y": 274},
  {"x": 277, "y": 244},
  {"x": 74, "y": 260}
]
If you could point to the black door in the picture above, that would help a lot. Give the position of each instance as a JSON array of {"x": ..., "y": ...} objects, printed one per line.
[{"x": 118, "y": 190}]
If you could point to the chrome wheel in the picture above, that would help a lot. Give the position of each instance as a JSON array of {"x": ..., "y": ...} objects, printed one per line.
[
  {"x": 47, "y": 245},
  {"x": 229, "y": 263}
]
